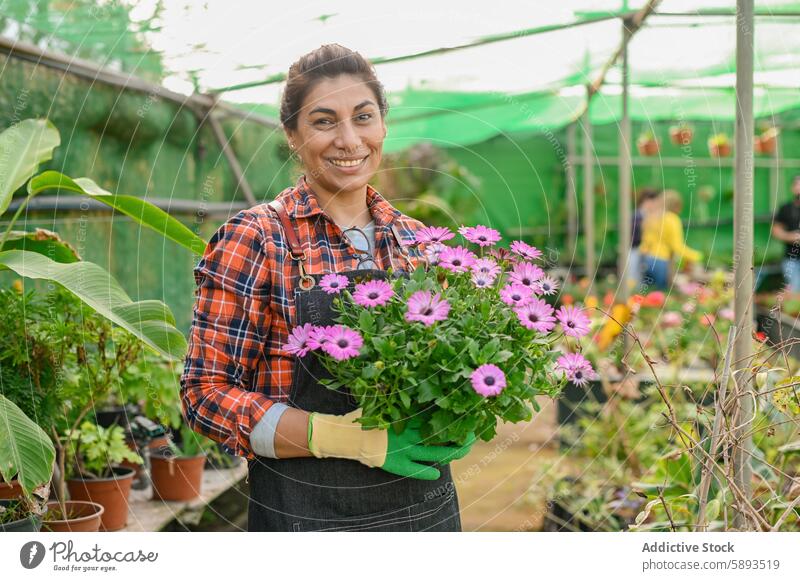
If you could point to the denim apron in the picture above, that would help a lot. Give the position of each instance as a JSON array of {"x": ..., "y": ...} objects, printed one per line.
[{"x": 335, "y": 494}]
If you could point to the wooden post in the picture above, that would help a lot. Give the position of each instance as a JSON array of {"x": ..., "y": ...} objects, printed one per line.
[
  {"x": 241, "y": 180},
  {"x": 588, "y": 195},
  {"x": 572, "y": 189},
  {"x": 624, "y": 210}
]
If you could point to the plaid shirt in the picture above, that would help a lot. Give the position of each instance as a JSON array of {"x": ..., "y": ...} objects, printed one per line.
[{"x": 236, "y": 368}]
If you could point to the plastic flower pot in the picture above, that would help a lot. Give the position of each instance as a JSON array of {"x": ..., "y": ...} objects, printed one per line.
[
  {"x": 176, "y": 477},
  {"x": 647, "y": 146},
  {"x": 159, "y": 445},
  {"x": 681, "y": 135},
  {"x": 81, "y": 516},
  {"x": 112, "y": 493},
  {"x": 10, "y": 490},
  {"x": 28, "y": 524}
]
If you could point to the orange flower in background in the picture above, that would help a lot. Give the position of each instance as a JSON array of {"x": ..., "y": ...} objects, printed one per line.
[
  {"x": 608, "y": 300},
  {"x": 591, "y": 302},
  {"x": 655, "y": 299},
  {"x": 566, "y": 299},
  {"x": 707, "y": 319},
  {"x": 761, "y": 337},
  {"x": 636, "y": 300},
  {"x": 583, "y": 283}
]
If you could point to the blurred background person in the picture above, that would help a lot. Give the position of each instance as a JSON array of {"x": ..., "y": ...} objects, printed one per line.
[
  {"x": 786, "y": 228},
  {"x": 662, "y": 240},
  {"x": 644, "y": 202}
]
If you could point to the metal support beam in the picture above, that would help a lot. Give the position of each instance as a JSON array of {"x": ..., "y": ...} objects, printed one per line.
[
  {"x": 572, "y": 189},
  {"x": 743, "y": 247},
  {"x": 227, "y": 150},
  {"x": 588, "y": 196},
  {"x": 624, "y": 167}
]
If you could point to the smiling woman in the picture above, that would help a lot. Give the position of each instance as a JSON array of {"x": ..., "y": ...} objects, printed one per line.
[{"x": 267, "y": 270}]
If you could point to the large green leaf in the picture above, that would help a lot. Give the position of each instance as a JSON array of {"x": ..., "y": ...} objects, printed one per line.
[
  {"x": 135, "y": 208},
  {"x": 25, "y": 450},
  {"x": 44, "y": 242},
  {"x": 150, "y": 320},
  {"x": 22, "y": 148}
]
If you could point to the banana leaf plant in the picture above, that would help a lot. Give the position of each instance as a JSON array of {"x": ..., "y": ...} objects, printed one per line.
[{"x": 43, "y": 255}]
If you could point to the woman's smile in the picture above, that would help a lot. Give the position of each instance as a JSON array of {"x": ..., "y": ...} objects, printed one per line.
[{"x": 348, "y": 166}]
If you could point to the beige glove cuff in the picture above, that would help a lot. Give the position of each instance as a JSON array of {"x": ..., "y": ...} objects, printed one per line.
[{"x": 342, "y": 437}]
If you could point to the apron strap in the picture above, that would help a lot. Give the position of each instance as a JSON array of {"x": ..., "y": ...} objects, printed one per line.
[{"x": 295, "y": 250}]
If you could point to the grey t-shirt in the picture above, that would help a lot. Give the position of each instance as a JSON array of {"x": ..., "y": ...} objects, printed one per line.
[{"x": 364, "y": 241}]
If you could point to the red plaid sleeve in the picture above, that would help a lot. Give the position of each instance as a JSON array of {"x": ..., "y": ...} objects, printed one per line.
[{"x": 231, "y": 321}]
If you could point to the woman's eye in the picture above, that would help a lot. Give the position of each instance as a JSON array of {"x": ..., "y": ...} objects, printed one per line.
[
  {"x": 323, "y": 122},
  {"x": 364, "y": 117}
]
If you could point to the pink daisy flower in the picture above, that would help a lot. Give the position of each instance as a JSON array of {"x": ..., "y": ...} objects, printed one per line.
[
  {"x": 671, "y": 319},
  {"x": 430, "y": 234},
  {"x": 481, "y": 280},
  {"x": 546, "y": 286},
  {"x": 317, "y": 337},
  {"x": 488, "y": 380},
  {"x": 426, "y": 308},
  {"x": 573, "y": 320},
  {"x": 486, "y": 266},
  {"x": 577, "y": 369},
  {"x": 480, "y": 235},
  {"x": 333, "y": 283},
  {"x": 342, "y": 342},
  {"x": 457, "y": 259},
  {"x": 433, "y": 251},
  {"x": 298, "y": 340},
  {"x": 516, "y": 295},
  {"x": 374, "y": 293},
  {"x": 526, "y": 274},
  {"x": 536, "y": 315},
  {"x": 525, "y": 250}
]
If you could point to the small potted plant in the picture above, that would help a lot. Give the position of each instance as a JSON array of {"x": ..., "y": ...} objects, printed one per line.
[
  {"x": 30, "y": 471},
  {"x": 177, "y": 473},
  {"x": 719, "y": 145},
  {"x": 681, "y": 134},
  {"x": 96, "y": 473},
  {"x": 767, "y": 142},
  {"x": 648, "y": 144}
]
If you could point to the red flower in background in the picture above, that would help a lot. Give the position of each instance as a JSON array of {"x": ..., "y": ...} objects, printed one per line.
[
  {"x": 655, "y": 299},
  {"x": 761, "y": 337}
]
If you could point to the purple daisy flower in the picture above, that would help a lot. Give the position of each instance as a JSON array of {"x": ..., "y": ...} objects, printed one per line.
[
  {"x": 333, "y": 283},
  {"x": 481, "y": 280},
  {"x": 433, "y": 251},
  {"x": 430, "y": 234},
  {"x": 317, "y": 337},
  {"x": 546, "y": 286},
  {"x": 516, "y": 295},
  {"x": 536, "y": 315},
  {"x": 526, "y": 274},
  {"x": 573, "y": 320},
  {"x": 342, "y": 342},
  {"x": 525, "y": 250},
  {"x": 298, "y": 340},
  {"x": 426, "y": 308},
  {"x": 577, "y": 369},
  {"x": 374, "y": 293},
  {"x": 457, "y": 259},
  {"x": 480, "y": 235},
  {"x": 488, "y": 380},
  {"x": 486, "y": 266}
]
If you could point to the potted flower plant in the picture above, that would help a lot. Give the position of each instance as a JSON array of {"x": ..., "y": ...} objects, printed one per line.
[
  {"x": 719, "y": 145},
  {"x": 767, "y": 142},
  {"x": 647, "y": 144},
  {"x": 177, "y": 473},
  {"x": 681, "y": 134},
  {"x": 96, "y": 475}
]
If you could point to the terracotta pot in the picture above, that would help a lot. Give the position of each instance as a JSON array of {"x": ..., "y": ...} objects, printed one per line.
[
  {"x": 159, "y": 444},
  {"x": 719, "y": 150},
  {"x": 766, "y": 144},
  {"x": 12, "y": 490},
  {"x": 681, "y": 135},
  {"x": 81, "y": 517},
  {"x": 648, "y": 147},
  {"x": 112, "y": 493},
  {"x": 176, "y": 478}
]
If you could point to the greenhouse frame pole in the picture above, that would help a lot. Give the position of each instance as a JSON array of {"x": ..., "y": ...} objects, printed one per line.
[
  {"x": 743, "y": 248},
  {"x": 572, "y": 190},
  {"x": 624, "y": 227},
  {"x": 588, "y": 191}
]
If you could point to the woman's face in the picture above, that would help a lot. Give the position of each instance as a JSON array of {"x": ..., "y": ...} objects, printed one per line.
[{"x": 339, "y": 134}]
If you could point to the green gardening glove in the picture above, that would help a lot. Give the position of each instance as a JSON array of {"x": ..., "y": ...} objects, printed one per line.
[{"x": 332, "y": 436}]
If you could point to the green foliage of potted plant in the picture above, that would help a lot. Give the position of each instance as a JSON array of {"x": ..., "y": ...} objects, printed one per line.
[
  {"x": 177, "y": 473},
  {"x": 96, "y": 474},
  {"x": 26, "y": 459}
]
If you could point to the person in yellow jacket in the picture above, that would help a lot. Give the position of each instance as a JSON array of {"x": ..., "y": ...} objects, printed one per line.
[{"x": 662, "y": 240}]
